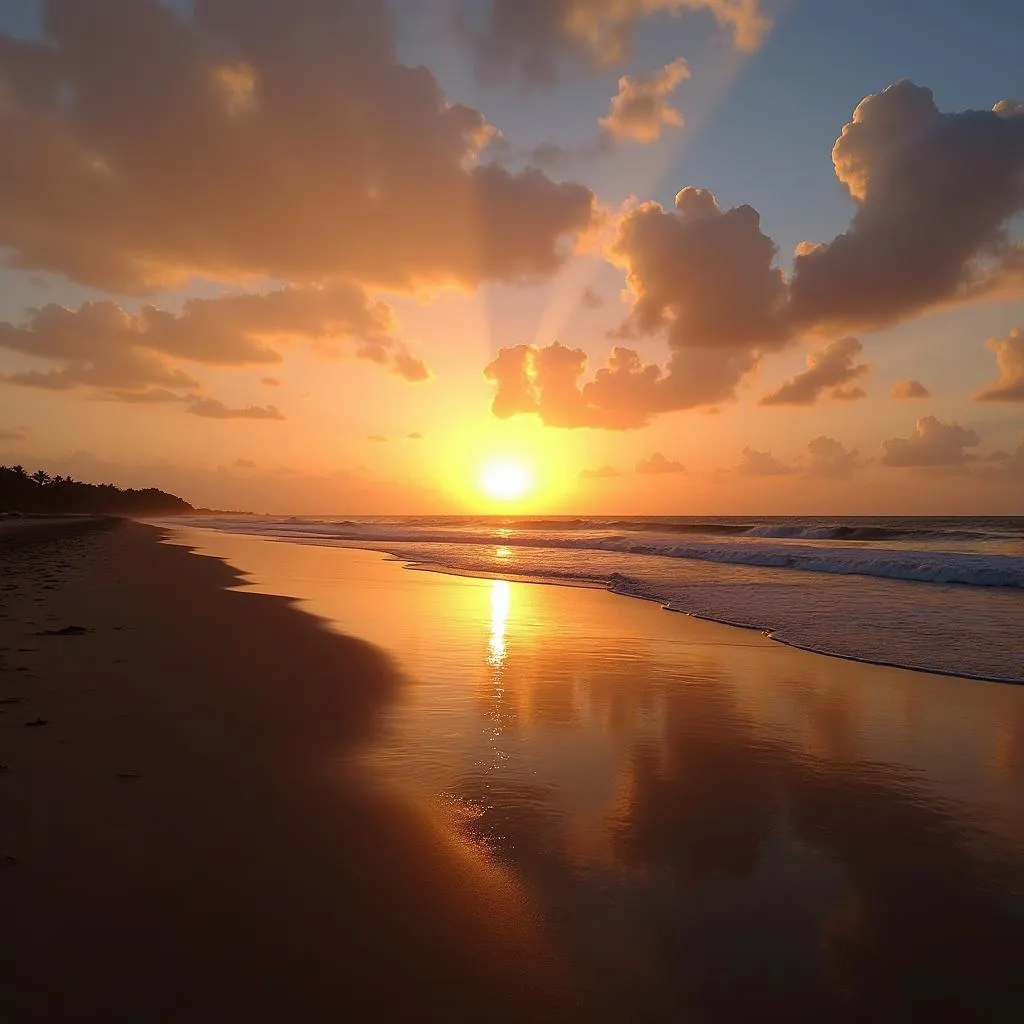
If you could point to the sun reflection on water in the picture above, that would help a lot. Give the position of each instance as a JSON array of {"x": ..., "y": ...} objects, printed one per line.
[{"x": 500, "y": 596}]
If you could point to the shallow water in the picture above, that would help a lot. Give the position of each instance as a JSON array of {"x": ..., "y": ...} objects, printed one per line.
[
  {"x": 712, "y": 825},
  {"x": 943, "y": 595}
]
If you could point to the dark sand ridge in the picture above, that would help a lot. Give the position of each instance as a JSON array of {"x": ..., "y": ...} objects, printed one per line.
[{"x": 188, "y": 837}]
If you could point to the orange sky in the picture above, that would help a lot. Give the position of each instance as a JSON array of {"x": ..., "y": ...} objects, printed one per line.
[{"x": 275, "y": 261}]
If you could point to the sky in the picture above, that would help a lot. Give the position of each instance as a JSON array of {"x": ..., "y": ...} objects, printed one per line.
[{"x": 673, "y": 257}]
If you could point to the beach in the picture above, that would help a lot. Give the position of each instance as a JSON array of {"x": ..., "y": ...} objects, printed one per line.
[{"x": 250, "y": 779}]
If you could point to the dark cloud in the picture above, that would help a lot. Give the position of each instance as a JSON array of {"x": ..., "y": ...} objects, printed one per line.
[
  {"x": 832, "y": 369},
  {"x": 603, "y": 473},
  {"x": 532, "y": 37},
  {"x": 934, "y": 193},
  {"x": 414, "y": 436},
  {"x": 267, "y": 138},
  {"x": 591, "y": 299},
  {"x": 657, "y": 463},
  {"x": 214, "y": 409},
  {"x": 97, "y": 345},
  {"x": 640, "y": 109},
  {"x": 245, "y": 464},
  {"x": 755, "y": 463},
  {"x": 933, "y": 443},
  {"x": 904, "y": 389},
  {"x": 829, "y": 458},
  {"x": 101, "y": 344},
  {"x": 1010, "y": 360}
]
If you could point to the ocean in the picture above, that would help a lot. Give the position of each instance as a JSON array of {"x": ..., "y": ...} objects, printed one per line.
[{"x": 937, "y": 594}]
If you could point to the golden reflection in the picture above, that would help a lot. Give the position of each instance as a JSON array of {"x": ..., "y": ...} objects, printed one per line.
[
  {"x": 500, "y": 598},
  {"x": 502, "y": 553}
]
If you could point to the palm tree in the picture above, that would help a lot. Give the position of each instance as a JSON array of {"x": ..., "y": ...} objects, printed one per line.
[
  {"x": 19, "y": 471},
  {"x": 41, "y": 477}
]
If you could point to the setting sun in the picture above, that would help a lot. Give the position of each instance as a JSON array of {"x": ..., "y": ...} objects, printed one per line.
[{"x": 506, "y": 481}]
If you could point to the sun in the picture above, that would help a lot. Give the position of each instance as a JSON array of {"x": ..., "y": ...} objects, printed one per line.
[{"x": 506, "y": 481}]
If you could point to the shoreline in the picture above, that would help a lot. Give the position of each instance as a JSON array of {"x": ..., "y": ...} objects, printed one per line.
[
  {"x": 271, "y": 781},
  {"x": 536, "y": 580},
  {"x": 189, "y": 834}
]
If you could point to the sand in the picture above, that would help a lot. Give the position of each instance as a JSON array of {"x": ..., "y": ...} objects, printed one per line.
[
  {"x": 502, "y": 801},
  {"x": 186, "y": 833}
]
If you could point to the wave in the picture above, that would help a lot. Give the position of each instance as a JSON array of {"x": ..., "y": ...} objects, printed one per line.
[{"x": 755, "y": 549}]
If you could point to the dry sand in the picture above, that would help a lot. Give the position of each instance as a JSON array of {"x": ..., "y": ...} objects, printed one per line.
[{"x": 186, "y": 834}]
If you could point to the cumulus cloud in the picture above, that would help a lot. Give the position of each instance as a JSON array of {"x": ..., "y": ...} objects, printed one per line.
[
  {"x": 640, "y": 109},
  {"x": 603, "y": 473},
  {"x": 271, "y": 139},
  {"x": 934, "y": 193},
  {"x": 532, "y": 36},
  {"x": 904, "y": 389},
  {"x": 101, "y": 344},
  {"x": 829, "y": 458},
  {"x": 833, "y": 369},
  {"x": 657, "y": 463},
  {"x": 755, "y": 463},
  {"x": 933, "y": 443},
  {"x": 214, "y": 409},
  {"x": 700, "y": 276},
  {"x": 1010, "y": 360}
]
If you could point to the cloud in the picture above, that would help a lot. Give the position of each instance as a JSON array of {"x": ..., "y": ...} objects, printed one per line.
[
  {"x": 410, "y": 367},
  {"x": 904, "y": 389},
  {"x": 603, "y": 473},
  {"x": 101, "y": 344},
  {"x": 657, "y": 463},
  {"x": 934, "y": 193},
  {"x": 755, "y": 463},
  {"x": 1010, "y": 360},
  {"x": 590, "y": 299},
  {"x": 1004, "y": 465},
  {"x": 271, "y": 382},
  {"x": 13, "y": 434},
  {"x": 933, "y": 443},
  {"x": 532, "y": 36},
  {"x": 831, "y": 369},
  {"x": 828, "y": 458},
  {"x": 214, "y": 409},
  {"x": 376, "y": 437},
  {"x": 149, "y": 396},
  {"x": 700, "y": 276},
  {"x": 245, "y": 464},
  {"x": 130, "y": 168},
  {"x": 640, "y": 109},
  {"x": 414, "y": 436}
]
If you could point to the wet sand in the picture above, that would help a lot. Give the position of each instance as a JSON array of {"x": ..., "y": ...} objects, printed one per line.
[
  {"x": 476, "y": 799},
  {"x": 187, "y": 835}
]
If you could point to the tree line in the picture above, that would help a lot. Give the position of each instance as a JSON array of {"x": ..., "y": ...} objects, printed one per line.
[{"x": 21, "y": 491}]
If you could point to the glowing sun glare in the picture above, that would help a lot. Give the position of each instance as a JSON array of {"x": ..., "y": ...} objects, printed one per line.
[{"x": 505, "y": 481}]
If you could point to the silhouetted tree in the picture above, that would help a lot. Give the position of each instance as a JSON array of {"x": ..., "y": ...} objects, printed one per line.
[{"x": 40, "y": 492}]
